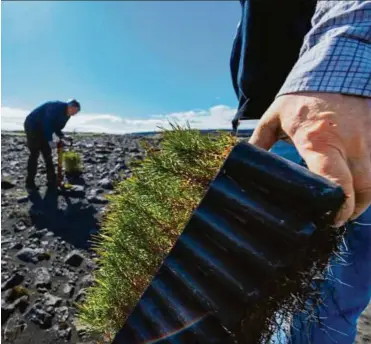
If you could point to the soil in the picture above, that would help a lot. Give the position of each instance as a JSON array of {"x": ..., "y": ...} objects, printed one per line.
[{"x": 46, "y": 256}]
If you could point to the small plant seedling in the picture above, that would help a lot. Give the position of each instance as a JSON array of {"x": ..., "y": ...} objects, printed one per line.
[{"x": 72, "y": 162}]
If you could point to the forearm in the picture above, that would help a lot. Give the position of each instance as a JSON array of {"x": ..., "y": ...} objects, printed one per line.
[{"x": 336, "y": 53}]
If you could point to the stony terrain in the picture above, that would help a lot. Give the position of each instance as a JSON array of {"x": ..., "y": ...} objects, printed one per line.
[
  {"x": 46, "y": 259},
  {"x": 46, "y": 263}
]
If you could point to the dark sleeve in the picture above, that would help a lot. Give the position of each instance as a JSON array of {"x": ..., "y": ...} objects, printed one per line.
[
  {"x": 49, "y": 122},
  {"x": 59, "y": 133},
  {"x": 52, "y": 119},
  {"x": 62, "y": 121}
]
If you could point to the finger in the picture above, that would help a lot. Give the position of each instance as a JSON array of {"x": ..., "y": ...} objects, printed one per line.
[
  {"x": 266, "y": 133},
  {"x": 331, "y": 165},
  {"x": 361, "y": 171}
]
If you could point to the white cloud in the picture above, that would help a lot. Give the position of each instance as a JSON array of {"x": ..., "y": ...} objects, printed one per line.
[{"x": 217, "y": 117}]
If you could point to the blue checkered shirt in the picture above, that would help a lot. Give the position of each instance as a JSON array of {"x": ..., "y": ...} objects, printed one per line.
[{"x": 336, "y": 52}]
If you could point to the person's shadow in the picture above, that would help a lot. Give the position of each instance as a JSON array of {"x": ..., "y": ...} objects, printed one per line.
[{"x": 75, "y": 223}]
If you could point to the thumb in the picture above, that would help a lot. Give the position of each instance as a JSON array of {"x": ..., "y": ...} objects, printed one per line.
[{"x": 266, "y": 133}]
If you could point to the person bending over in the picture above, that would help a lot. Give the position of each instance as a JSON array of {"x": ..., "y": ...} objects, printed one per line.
[{"x": 40, "y": 125}]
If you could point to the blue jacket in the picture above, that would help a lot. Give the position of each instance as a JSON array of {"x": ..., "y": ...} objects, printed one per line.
[
  {"x": 47, "y": 119},
  {"x": 266, "y": 47}
]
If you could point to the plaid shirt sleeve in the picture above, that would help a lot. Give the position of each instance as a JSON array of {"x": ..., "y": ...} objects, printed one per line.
[{"x": 336, "y": 52}]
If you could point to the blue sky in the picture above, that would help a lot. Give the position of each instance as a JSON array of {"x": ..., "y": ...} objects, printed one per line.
[{"x": 128, "y": 60}]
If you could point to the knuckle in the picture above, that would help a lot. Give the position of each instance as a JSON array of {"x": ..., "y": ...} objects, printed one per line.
[{"x": 316, "y": 138}]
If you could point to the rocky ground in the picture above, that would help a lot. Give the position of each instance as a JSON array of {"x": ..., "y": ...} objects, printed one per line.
[{"x": 46, "y": 261}]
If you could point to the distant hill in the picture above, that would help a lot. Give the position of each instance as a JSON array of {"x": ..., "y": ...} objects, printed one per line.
[{"x": 242, "y": 132}]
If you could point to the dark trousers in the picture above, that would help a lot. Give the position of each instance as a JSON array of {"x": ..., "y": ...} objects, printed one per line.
[{"x": 38, "y": 144}]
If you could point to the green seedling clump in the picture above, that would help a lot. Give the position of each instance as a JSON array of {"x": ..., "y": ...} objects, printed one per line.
[
  {"x": 72, "y": 162},
  {"x": 145, "y": 216}
]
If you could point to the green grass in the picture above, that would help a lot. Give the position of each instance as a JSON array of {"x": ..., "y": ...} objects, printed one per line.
[
  {"x": 72, "y": 162},
  {"x": 146, "y": 215}
]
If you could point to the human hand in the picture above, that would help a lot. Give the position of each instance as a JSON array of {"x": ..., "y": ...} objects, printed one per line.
[
  {"x": 67, "y": 138},
  {"x": 332, "y": 133}
]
